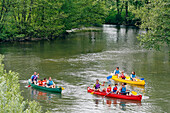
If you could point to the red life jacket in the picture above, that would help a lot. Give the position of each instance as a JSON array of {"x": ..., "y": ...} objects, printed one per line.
[
  {"x": 122, "y": 76},
  {"x": 108, "y": 89}
]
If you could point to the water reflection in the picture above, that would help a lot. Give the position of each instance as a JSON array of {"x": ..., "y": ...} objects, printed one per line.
[
  {"x": 43, "y": 95},
  {"x": 116, "y": 103}
]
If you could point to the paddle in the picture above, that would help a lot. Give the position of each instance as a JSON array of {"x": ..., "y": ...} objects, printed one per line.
[
  {"x": 134, "y": 93},
  {"x": 29, "y": 85},
  {"x": 106, "y": 94},
  {"x": 62, "y": 88},
  {"x": 109, "y": 77},
  {"x": 92, "y": 92},
  {"x": 142, "y": 79}
]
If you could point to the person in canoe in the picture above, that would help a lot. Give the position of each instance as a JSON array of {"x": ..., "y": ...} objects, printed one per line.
[
  {"x": 34, "y": 78},
  {"x": 50, "y": 83},
  {"x": 40, "y": 83},
  {"x": 133, "y": 76},
  {"x": 116, "y": 71},
  {"x": 44, "y": 82},
  {"x": 123, "y": 90},
  {"x": 115, "y": 89},
  {"x": 108, "y": 89},
  {"x": 122, "y": 75},
  {"x": 96, "y": 86}
]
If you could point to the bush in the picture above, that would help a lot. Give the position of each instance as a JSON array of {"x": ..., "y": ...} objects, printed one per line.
[{"x": 11, "y": 100}]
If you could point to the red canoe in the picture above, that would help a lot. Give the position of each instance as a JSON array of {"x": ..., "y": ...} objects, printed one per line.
[{"x": 128, "y": 97}]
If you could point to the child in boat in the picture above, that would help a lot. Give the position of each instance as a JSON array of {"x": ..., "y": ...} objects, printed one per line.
[
  {"x": 44, "y": 82},
  {"x": 115, "y": 89},
  {"x": 40, "y": 83},
  {"x": 122, "y": 75},
  {"x": 123, "y": 90},
  {"x": 133, "y": 76},
  {"x": 50, "y": 83},
  {"x": 108, "y": 89},
  {"x": 96, "y": 86},
  {"x": 116, "y": 71}
]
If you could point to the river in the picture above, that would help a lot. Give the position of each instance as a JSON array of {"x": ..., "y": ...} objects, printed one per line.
[{"x": 78, "y": 59}]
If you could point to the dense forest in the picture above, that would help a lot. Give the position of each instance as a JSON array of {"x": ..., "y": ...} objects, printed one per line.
[{"x": 26, "y": 19}]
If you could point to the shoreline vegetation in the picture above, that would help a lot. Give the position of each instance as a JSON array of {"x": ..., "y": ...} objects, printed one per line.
[
  {"x": 10, "y": 94},
  {"x": 32, "y": 20}
]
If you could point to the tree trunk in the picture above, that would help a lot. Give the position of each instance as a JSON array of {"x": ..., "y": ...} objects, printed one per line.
[{"x": 126, "y": 12}]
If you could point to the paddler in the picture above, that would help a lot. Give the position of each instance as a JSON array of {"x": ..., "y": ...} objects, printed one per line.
[
  {"x": 116, "y": 71},
  {"x": 133, "y": 76},
  {"x": 122, "y": 75},
  {"x": 123, "y": 90},
  {"x": 96, "y": 86},
  {"x": 115, "y": 89},
  {"x": 50, "y": 83},
  {"x": 34, "y": 77}
]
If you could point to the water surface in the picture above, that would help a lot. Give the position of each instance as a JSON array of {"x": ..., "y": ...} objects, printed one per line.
[{"x": 75, "y": 62}]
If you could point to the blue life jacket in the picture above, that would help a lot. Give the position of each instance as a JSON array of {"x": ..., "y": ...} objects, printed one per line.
[
  {"x": 50, "y": 82},
  {"x": 133, "y": 76},
  {"x": 114, "y": 89},
  {"x": 123, "y": 90},
  {"x": 34, "y": 77},
  {"x": 97, "y": 86},
  {"x": 117, "y": 72}
]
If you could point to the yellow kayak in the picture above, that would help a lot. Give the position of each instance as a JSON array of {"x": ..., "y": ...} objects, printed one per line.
[{"x": 128, "y": 80}]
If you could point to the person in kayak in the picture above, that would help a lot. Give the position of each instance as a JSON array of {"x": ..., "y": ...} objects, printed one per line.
[
  {"x": 133, "y": 76},
  {"x": 96, "y": 86},
  {"x": 115, "y": 89},
  {"x": 123, "y": 90},
  {"x": 122, "y": 75},
  {"x": 34, "y": 78},
  {"x": 50, "y": 83},
  {"x": 109, "y": 88},
  {"x": 116, "y": 71}
]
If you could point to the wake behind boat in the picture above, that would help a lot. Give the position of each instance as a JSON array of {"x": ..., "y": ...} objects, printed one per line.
[{"x": 128, "y": 97}]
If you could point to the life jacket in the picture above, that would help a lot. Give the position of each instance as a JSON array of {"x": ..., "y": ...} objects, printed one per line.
[
  {"x": 115, "y": 89},
  {"x": 117, "y": 72},
  {"x": 133, "y": 76},
  {"x": 44, "y": 81},
  {"x": 123, "y": 90},
  {"x": 97, "y": 86},
  {"x": 40, "y": 83},
  {"x": 50, "y": 82},
  {"x": 122, "y": 76},
  {"x": 109, "y": 89},
  {"x": 34, "y": 77}
]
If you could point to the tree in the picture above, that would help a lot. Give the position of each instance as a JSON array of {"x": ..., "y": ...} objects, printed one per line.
[
  {"x": 11, "y": 100},
  {"x": 155, "y": 19}
]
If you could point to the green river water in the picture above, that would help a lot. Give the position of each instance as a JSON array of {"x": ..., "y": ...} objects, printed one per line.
[{"x": 77, "y": 60}]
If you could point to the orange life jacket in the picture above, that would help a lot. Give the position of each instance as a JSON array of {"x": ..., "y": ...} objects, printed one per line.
[{"x": 40, "y": 83}]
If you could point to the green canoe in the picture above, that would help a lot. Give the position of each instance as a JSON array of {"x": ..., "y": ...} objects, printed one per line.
[{"x": 54, "y": 90}]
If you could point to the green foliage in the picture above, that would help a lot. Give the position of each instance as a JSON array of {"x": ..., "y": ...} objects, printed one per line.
[
  {"x": 47, "y": 19},
  {"x": 11, "y": 100},
  {"x": 155, "y": 19}
]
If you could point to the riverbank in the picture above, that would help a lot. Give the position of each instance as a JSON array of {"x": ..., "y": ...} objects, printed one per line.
[{"x": 75, "y": 30}]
